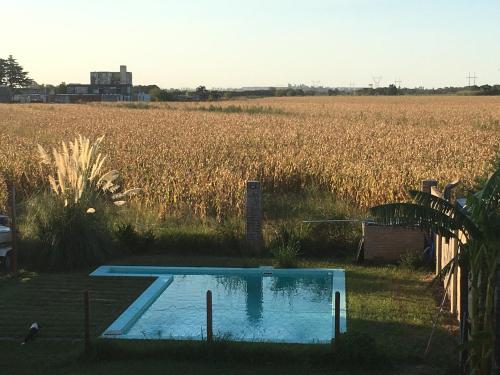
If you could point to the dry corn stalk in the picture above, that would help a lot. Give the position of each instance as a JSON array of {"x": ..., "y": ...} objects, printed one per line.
[{"x": 366, "y": 150}]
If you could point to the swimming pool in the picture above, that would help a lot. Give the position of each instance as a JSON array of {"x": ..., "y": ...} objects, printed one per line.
[{"x": 249, "y": 304}]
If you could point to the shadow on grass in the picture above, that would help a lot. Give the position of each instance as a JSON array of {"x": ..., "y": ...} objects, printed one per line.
[
  {"x": 248, "y": 354},
  {"x": 369, "y": 346}
]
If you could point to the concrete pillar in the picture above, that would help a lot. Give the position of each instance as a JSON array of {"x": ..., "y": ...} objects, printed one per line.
[
  {"x": 427, "y": 184},
  {"x": 254, "y": 216}
]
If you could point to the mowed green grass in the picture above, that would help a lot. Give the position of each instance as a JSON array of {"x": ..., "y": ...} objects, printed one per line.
[{"x": 393, "y": 305}]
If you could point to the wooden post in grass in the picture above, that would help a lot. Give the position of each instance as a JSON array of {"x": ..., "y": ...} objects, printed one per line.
[
  {"x": 13, "y": 228},
  {"x": 86, "y": 310},
  {"x": 209, "y": 317},
  {"x": 337, "y": 314}
]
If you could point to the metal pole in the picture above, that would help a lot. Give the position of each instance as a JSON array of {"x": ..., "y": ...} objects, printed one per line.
[
  {"x": 209, "y": 317},
  {"x": 13, "y": 228},
  {"x": 86, "y": 308},
  {"x": 337, "y": 314}
]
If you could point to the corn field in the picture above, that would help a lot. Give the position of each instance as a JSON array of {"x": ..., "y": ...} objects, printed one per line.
[{"x": 363, "y": 150}]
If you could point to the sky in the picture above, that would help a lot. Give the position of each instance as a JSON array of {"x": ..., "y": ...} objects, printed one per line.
[{"x": 236, "y": 43}]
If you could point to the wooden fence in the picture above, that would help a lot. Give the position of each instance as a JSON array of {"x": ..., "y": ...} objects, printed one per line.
[
  {"x": 457, "y": 289},
  {"x": 445, "y": 250}
]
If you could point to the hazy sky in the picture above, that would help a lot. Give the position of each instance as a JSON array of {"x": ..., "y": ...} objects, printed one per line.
[{"x": 223, "y": 43}]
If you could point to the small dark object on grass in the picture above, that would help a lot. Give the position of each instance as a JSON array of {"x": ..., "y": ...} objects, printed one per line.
[{"x": 32, "y": 333}]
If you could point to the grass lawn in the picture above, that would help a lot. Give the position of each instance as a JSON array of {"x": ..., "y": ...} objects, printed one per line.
[{"x": 395, "y": 306}]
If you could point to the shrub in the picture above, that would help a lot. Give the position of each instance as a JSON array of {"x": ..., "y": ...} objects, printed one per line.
[
  {"x": 70, "y": 224},
  {"x": 285, "y": 248},
  {"x": 134, "y": 242},
  {"x": 412, "y": 260},
  {"x": 65, "y": 237},
  {"x": 230, "y": 234}
]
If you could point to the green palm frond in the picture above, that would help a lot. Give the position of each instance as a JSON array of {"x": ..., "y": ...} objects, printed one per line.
[
  {"x": 490, "y": 194},
  {"x": 453, "y": 210},
  {"x": 412, "y": 214},
  {"x": 429, "y": 200}
]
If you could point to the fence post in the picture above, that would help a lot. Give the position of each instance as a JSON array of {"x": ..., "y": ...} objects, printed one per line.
[
  {"x": 427, "y": 185},
  {"x": 337, "y": 314},
  {"x": 438, "y": 248},
  {"x": 209, "y": 316},
  {"x": 454, "y": 285},
  {"x": 86, "y": 327},
  {"x": 13, "y": 227},
  {"x": 254, "y": 216},
  {"x": 464, "y": 315},
  {"x": 496, "y": 324}
]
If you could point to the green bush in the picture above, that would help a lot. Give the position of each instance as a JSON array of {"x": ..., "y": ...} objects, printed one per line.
[
  {"x": 285, "y": 248},
  {"x": 231, "y": 234},
  {"x": 132, "y": 241},
  {"x": 412, "y": 260},
  {"x": 65, "y": 238},
  {"x": 70, "y": 226}
]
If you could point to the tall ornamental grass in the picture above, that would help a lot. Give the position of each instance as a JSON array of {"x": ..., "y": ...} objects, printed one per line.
[{"x": 71, "y": 222}]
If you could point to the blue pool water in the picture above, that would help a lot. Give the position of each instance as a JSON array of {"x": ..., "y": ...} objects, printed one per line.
[{"x": 293, "y": 306}]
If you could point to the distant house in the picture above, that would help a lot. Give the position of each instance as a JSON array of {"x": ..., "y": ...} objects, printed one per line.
[
  {"x": 5, "y": 94},
  {"x": 104, "y": 86},
  {"x": 32, "y": 94},
  {"x": 29, "y": 98}
]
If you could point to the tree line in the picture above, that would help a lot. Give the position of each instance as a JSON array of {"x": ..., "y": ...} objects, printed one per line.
[
  {"x": 13, "y": 75},
  {"x": 465, "y": 90},
  {"x": 203, "y": 94}
]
